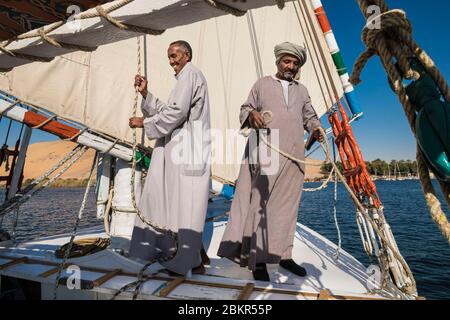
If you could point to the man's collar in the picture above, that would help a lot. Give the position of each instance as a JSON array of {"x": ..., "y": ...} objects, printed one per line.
[
  {"x": 186, "y": 66},
  {"x": 279, "y": 80}
]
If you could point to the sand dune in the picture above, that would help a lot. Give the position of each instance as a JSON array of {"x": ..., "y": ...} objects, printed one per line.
[{"x": 42, "y": 156}]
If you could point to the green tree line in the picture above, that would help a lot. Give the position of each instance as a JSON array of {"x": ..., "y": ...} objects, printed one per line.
[{"x": 380, "y": 168}]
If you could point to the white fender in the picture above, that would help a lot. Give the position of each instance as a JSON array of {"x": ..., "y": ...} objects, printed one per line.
[
  {"x": 103, "y": 183},
  {"x": 123, "y": 214}
]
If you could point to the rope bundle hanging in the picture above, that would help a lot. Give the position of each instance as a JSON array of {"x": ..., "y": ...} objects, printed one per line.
[{"x": 393, "y": 42}]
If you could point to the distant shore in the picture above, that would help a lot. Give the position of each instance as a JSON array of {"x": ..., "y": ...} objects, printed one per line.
[{"x": 60, "y": 183}]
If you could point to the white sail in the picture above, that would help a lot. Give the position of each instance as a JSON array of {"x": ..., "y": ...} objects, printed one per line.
[{"x": 95, "y": 88}]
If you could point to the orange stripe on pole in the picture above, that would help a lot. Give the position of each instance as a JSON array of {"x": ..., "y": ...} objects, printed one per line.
[
  {"x": 57, "y": 128},
  {"x": 323, "y": 20}
]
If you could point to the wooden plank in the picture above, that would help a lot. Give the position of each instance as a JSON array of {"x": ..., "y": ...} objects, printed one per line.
[
  {"x": 171, "y": 286},
  {"x": 247, "y": 291},
  {"x": 52, "y": 271},
  {"x": 13, "y": 263},
  {"x": 98, "y": 282},
  {"x": 324, "y": 295},
  {"x": 201, "y": 283},
  {"x": 48, "y": 273},
  {"x": 55, "y": 127}
]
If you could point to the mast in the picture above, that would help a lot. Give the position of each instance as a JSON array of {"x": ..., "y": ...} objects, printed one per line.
[
  {"x": 335, "y": 52},
  {"x": 20, "y": 164}
]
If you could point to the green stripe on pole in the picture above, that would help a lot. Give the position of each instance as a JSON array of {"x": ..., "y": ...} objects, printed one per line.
[{"x": 339, "y": 63}]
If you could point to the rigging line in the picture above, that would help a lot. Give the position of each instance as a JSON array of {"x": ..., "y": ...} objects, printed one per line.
[
  {"x": 225, "y": 91},
  {"x": 7, "y": 133},
  {"x": 335, "y": 200},
  {"x": 75, "y": 228},
  {"x": 255, "y": 46},
  {"x": 146, "y": 76},
  {"x": 313, "y": 61},
  {"x": 314, "y": 39}
]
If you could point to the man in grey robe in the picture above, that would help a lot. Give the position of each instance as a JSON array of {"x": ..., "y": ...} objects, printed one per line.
[
  {"x": 176, "y": 191},
  {"x": 263, "y": 215}
]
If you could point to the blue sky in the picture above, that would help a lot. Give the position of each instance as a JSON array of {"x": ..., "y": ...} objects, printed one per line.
[{"x": 383, "y": 132}]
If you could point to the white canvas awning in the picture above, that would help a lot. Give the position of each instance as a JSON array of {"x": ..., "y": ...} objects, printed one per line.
[{"x": 95, "y": 88}]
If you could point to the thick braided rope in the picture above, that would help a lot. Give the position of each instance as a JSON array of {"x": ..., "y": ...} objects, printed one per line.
[
  {"x": 123, "y": 26},
  {"x": 397, "y": 31},
  {"x": 433, "y": 203},
  {"x": 43, "y": 33},
  {"x": 53, "y": 42},
  {"x": 75, "y": 228}
]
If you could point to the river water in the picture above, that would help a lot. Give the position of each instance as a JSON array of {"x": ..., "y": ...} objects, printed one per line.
[{"x": 53, "y": 211}]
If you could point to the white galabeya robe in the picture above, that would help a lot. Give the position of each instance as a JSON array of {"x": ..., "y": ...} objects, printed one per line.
[{"x": 176, "y": 191}]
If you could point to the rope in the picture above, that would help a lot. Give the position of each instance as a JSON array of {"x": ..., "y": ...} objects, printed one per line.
[
  {"x": 76, "y": 135},
  {"x": 255, "y": 45},
  {"x": 29, "y": 192},
  {"x": 24, "y": 56},
  {"x": 158, "y": 228},
  {"x": 267, "y": 115},
  {"x": 225, "y": 8},
  {"x": 74, "y": 233},
  {"x": 10, "y": 107},
  {"x": 99, "y": 12},
  {"x": 394, "y": 40},
  {"x": 123, "y": 26},
  {"x": 43, "y": 34},
  {"x": 222, "y": 180},
  {"x": 111, "y": 147},
  {"x": 408, "y": 288},
  {"x": 161, "y": 229},
  {"x": 335, "y": 200},
  {"x": 14, "y": 227},
  {"x": 324, "y": 185},
  {"x": 45, "y": 122}
]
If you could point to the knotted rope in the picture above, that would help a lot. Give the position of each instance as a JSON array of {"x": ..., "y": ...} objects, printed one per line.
[{"x": 394, "y": 42}]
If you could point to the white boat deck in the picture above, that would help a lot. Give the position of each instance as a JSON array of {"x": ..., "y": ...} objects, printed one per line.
[{"x": 108, "y": 271}]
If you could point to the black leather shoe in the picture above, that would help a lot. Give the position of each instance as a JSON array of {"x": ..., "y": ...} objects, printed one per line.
[
  {"x": 260, "y": 273},
  {"x": 291, "y": 266}
]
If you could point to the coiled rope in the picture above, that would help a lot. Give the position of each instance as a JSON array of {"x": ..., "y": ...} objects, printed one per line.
[{"x": 394, "y": 42}]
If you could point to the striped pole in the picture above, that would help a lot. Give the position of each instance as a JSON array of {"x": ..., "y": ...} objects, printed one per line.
[{"x": 349, "y": 90}]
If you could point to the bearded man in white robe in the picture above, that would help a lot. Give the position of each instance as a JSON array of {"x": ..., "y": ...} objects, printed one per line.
[{"x": 263, "y": 215}]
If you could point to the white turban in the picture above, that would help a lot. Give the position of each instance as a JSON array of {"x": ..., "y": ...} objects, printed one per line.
[{"x": 289, "y": 48}]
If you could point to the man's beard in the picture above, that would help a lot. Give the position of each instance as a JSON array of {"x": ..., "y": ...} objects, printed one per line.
[{"x": 288, "y": 76}]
